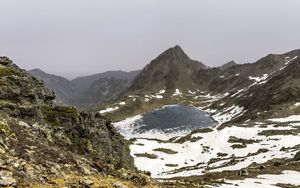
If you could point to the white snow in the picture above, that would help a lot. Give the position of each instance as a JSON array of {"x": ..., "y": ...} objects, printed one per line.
[
  {"x": 147, "y": 99},
  {"x": 191, "y": 92},
  {"x": 201, "y": 151},
  {"x": 177, "y": 92},
  {"x": 237, "y": 74},
  {"x": 295, "y": 124},
  {"x": 259, "y": 79},
  {"x": 286, "y": 119},
  {"x": 228, "y": 114},
  {"x": 158, "y": 96},
  {"x": 108, "y": 110},
  {"x": 162, "y": 91},
  {"x": 266, "y": 180},
  {"x": 288, "y": 61},
  {"x": 297, "y": 104},
  {"x": 122, "y": 103}
]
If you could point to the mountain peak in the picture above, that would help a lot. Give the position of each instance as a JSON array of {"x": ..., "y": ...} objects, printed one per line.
[
  {"x": 176, "y": 50},
  {"x": 173, "y": 69},
  {"x": 227, "y": 65}
]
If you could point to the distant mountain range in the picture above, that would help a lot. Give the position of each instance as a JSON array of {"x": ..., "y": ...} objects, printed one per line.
[
  {"x": 172, "y": 71},
  {"x": 87, "y": 90}
]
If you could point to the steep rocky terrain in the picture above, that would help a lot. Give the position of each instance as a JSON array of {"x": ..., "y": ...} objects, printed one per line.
[
  {"x": 42, "y": 145},
  {"x": 171, "y": 70}
]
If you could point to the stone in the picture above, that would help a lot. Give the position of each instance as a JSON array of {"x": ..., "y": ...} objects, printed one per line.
[
  {"x": 23, "y": 124},
  {"x": 297, "y": 156},
  {"x": 243, "y": 172},
  {"x": 119, "y": 184},
  {"x": 88, "y": 182},
  {"x": 5, "y": 61},
  {"x": 6, "y": 179}
]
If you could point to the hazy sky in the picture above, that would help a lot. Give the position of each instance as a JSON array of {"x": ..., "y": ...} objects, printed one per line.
[{"x": 91, "y": 36}]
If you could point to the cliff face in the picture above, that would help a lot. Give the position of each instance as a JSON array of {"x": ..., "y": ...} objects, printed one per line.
[{"x": 40, "y": 142}]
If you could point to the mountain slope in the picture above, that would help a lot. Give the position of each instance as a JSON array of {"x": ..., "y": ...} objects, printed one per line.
[
  {"x": 227, "y": 65},
  {"x": 44, "y": 145},
  {"x": 84, "y": 83},
  {"x": 87, "y": 91},
  {"x": 171, "y": 70},
  {"x": 64, "y": 89}
]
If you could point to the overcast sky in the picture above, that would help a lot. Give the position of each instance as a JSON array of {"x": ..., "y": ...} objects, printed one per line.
[{"x": 92, "y": 36}]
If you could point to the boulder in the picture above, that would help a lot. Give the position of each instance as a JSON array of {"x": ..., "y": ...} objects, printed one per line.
[
  {"x": 297, "y": 156},
  {"x": 5, "y": 61}
]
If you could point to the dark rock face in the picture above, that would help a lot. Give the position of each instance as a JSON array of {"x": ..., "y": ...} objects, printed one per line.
[
  {"x": 50, "y": 139},
  {"x": 297, "y": 156}
]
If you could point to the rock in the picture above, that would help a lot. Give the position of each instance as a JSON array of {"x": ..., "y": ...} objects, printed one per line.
[
  {"x": 6, "y": 179},
  {"x": 297, "y": 156},
  {"x": 60, "y": 139},
  {"x": 243, "y": 172},
  {"x": 5, "y": 61},
  {"x": 88, "y": 182},
  {"x": 277, "y": 163},
  {"x": 23, "y": 124},
  {"x": 119, "y": 184}
]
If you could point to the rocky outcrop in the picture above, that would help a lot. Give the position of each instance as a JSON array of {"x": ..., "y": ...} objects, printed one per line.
[{"x": 40, "y": 141}]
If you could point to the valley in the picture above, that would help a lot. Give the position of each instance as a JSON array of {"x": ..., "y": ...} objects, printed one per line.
[
  {"x": 191, "y": 125},
  {"x": 149, "y": 94}
]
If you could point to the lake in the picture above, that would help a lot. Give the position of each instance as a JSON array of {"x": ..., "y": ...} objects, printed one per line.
[{"x": 168, "y": 121}]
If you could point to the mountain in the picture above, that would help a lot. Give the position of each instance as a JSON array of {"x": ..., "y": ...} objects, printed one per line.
[
  {"x": 89, "y": 90},
  {"x": 282, "y": 87},
  {"x": 43, "y": 145},
  {"x": 64, "y": 89},
  {"x": 84, "y": 83},
  {"x": 227, "y": 65},
  {"x": 218, "y": 80},
  {"x": 171, "y": 70},
  {"x": 168, "y": 77},
  {"x": 257, "y": 109}
]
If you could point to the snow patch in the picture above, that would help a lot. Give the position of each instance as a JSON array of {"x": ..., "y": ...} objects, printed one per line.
[
  {"x": 228, "y": 114},
  {"x": 266, "y": 180},
  {"x": 201, "y": 151},
  {"x": 108, "y": 110},
  {"x": 162, "y": 91},
  {"x": 259, "y": 79},
  {"x": 177, "y": 92},
  {"x": 286, "y": 119}
]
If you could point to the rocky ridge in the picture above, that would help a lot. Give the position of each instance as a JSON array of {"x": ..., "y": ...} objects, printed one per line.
[{"x": 46, "y": 145}]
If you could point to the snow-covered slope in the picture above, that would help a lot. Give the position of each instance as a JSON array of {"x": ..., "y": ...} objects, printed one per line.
[{"x": 232, "y": 148}]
